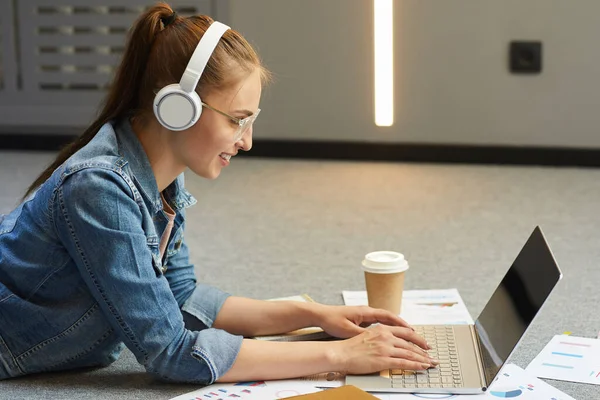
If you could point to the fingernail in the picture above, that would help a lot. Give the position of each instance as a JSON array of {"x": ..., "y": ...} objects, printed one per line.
[
  {"x": 434, "y": 361},
  {"x": 425, "y": 366}
]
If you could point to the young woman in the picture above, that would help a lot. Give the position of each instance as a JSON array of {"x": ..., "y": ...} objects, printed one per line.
[{"x": 94, "y": 258}]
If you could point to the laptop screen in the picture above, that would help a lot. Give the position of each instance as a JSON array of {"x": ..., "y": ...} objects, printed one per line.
[{"x": 516, "y": 301}]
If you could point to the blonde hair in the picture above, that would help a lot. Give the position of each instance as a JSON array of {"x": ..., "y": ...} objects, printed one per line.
[{"x": 156, "y": 56}]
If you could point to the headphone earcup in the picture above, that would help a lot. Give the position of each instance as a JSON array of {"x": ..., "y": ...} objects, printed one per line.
[{"x": 177, "y": 109}]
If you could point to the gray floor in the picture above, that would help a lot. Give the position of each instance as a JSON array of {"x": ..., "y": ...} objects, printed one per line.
[{"x": 269, "y": 228}]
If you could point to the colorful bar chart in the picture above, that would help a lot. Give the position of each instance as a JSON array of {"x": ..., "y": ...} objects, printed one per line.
[{"x": 569, "y": 358}]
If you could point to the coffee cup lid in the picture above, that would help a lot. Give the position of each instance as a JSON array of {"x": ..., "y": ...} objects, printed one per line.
[{"x": 384, "y": 262}]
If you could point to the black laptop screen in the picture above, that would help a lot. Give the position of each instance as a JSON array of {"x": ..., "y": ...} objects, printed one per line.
[{"x": 515, "y": 302}]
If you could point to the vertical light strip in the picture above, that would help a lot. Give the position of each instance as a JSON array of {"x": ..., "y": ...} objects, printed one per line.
[{"x": 384, "y": 62}]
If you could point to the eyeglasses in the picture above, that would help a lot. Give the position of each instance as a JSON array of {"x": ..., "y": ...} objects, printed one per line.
[{"x": 244, "y": 124}]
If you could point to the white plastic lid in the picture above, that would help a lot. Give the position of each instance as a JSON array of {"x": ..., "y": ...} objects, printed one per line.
[{"x": 384, "y": 262}]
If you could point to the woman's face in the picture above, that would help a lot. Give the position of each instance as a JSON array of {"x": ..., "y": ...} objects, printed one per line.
[{"x": 202, "y": 147}]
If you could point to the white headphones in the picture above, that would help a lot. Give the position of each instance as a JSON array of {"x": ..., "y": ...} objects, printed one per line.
[{"x": 178, "y": 106}]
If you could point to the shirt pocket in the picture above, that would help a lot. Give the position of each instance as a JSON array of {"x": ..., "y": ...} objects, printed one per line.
[{"x": 154, "y": 247}]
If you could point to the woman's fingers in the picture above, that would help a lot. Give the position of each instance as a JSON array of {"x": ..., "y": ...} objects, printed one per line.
[
  {"x": 408, "y": 364},
  {"x": 410, "y": 336},
  {"x": 383, "y": 347},
  {"x": 403, "y": 344},
  {"x": 410, "y": 355},
  {"x": 385, "y": 317}
]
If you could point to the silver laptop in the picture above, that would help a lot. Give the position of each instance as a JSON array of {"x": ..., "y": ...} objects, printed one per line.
[{"x": 471, "y": 355}]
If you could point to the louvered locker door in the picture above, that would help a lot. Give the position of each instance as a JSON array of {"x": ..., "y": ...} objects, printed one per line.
[{"x": 8, "y": 72}]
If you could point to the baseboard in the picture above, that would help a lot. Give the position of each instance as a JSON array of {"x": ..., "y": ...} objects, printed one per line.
[
  {"x": 358, "y": 151},
  {"x": 431, "y": 153},
  {"x": 34, "y": 141}
]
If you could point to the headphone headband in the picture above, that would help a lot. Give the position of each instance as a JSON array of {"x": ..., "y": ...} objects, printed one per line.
[
  {"x": 199, "y": 59},
  {"x": 177, "y": 106}
]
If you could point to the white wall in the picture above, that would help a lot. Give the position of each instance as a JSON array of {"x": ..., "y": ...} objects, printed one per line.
[{"x": 452, "y": 83}]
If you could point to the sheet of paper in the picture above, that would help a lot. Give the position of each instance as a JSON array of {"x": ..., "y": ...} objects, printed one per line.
[
  {"x": 251, "y": 391},
  {"x": 568, "y": 358},
  {"x": 512, "y": 382},
  {"x": 424, "y": 307},
  {"x": 299, "y": 297}
]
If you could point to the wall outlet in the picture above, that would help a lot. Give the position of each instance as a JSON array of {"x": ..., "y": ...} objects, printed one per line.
[{"x": 525, "y": 57}]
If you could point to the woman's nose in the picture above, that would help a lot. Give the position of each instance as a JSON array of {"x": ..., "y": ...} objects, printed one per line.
[{"x": 245, "y": 143}]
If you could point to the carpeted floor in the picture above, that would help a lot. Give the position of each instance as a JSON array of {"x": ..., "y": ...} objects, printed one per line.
[{"x": 269, "y": 228}]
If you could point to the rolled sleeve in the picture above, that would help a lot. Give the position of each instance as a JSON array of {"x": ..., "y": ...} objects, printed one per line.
[
  {"x": 205, "y": 303},
  {"x": 99, "y": 222},
  {"x": 221, "y": 343}
]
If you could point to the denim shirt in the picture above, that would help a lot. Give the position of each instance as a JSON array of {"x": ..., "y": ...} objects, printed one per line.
[{"x": 81, "y": 273}]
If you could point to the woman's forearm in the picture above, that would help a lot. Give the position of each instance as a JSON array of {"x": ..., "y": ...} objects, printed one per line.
[
  {"x": 263, "y": 360},
  {"x": 249, "y": 317}
]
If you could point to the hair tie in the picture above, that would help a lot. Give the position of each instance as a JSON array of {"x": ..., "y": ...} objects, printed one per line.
[{"x": 167, "y": 20}]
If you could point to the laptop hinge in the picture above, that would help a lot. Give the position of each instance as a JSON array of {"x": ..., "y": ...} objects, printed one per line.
[{"x": 479, "y": 356}]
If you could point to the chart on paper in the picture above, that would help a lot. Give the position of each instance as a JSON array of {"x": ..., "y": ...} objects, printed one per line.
[
  {"x": 250, "y": 391},
  {"x": 569, "y": 358},
  {"x": 515, "y": 383}
]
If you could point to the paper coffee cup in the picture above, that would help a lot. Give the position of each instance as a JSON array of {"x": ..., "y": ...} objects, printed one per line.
[{"x": 384, "y": 278}]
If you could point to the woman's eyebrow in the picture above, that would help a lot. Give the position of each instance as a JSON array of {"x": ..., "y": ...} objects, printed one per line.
[{"x": 245, "y": 112}]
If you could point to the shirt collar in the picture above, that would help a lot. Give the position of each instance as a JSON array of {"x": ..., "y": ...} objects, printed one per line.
[{"x": 135, "y": 155}]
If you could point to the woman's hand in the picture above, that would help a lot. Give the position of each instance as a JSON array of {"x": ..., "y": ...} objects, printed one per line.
[
  {"x": 348, "y": 321},
  {"x": 382, "y": 347}
]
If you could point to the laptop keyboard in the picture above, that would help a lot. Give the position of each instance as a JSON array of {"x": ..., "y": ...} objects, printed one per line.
[{"x": 445, "y": 375}]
